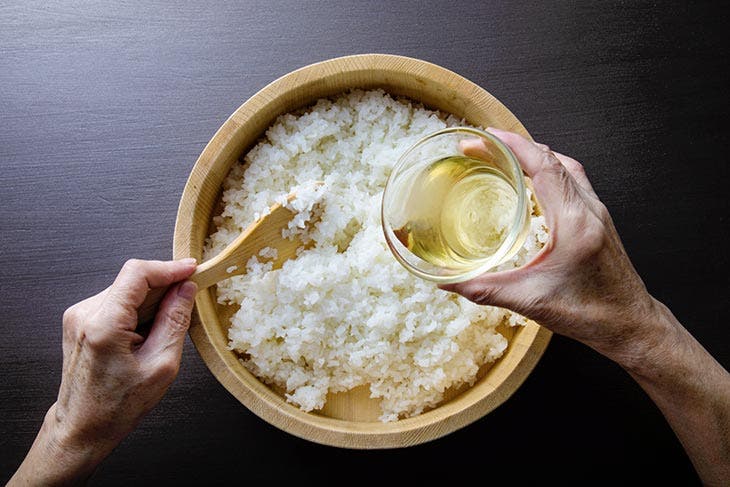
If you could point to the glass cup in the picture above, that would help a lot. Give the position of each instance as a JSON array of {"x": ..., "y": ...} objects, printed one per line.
[{"x": 455, "y": 205}]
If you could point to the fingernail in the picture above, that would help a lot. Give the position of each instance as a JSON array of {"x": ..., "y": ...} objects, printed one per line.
[
  {"x": 187, "y": 290},
  {"x": 189, "y": 261}
]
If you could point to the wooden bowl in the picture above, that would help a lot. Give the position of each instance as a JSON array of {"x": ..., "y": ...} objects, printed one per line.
[{"x": 349, "y": 419}]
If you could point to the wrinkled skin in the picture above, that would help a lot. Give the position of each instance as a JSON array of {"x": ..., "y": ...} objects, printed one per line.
[
  {"x": 582, "y": 284},
  {"x": 112, "y": 375}
]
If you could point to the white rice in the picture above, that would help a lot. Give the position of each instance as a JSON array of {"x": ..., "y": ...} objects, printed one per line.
[
  {"x": 344, "y": 313},
  {"x": 269, "y": 253}
]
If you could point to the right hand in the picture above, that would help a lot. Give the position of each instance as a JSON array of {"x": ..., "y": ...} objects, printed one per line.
[{"x": 581, "y": 284}]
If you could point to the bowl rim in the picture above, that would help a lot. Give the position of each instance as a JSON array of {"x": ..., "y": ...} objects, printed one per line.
[{"x": 519, "y": 359}]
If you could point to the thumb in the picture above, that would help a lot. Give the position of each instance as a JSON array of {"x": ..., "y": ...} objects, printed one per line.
[
  {"x": 512, "y": 289},
  {"x": 167, "y": 335}
]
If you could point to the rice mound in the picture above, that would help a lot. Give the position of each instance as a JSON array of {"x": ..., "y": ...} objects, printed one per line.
[{"x": 345, "y": 313}]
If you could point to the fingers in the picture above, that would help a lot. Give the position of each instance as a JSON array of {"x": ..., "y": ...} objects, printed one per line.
[
  {"x": 139, "y": 276},
  {"x": 554, "y": 185},
  {"x": 576, "y": 170},
  {"x": 475, "y": 148},
  {"x": 506, "y": 289},
  {"x": 484, "y": 290},
  {"x": 167, "y": 335},
  {"x": 533, "y": 157}
]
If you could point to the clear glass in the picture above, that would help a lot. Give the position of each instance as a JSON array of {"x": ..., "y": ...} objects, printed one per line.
[{"x": 417, "y": 197}]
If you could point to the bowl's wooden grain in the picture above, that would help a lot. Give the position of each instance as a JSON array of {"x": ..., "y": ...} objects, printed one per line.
[{"x": 349, "y": 419}]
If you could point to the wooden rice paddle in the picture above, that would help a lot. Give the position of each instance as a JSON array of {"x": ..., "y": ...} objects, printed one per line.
[{"x": 231, "y": 261}]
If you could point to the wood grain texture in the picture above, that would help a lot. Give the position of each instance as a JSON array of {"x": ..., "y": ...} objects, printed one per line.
[
  {"x": 105, "y": 106},
  {"x": 351, "y": 425},
  {"x": 266, "y": 232}
]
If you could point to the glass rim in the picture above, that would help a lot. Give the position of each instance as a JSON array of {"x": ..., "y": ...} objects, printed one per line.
[{"x": 452, "y": 275}]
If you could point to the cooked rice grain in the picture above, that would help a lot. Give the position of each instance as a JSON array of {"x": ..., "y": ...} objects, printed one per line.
[{"x": 344, "y": 313}]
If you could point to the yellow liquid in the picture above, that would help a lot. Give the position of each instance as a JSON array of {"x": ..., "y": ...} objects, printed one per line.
[{"x": 458, "y": 212}]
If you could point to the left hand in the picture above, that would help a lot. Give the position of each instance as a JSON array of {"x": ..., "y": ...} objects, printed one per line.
[{"x": 112, "y": 375}]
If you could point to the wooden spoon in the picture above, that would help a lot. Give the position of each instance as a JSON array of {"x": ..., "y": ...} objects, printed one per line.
[{"x": 231, "y": 261}]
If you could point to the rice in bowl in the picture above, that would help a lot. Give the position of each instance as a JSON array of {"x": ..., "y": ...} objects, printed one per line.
[{"x": 344, "y": 313}]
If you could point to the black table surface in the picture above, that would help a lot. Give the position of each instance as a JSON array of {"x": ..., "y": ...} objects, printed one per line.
[{"x": 105, "y": 106}]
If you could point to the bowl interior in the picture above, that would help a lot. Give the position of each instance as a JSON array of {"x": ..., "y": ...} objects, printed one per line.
[{"x": 348, "y": 419}]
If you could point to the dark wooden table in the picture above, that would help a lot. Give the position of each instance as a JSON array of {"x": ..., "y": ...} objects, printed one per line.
[{"x": 105, "y": 106}]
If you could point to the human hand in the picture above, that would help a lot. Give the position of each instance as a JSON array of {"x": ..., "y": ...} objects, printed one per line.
[
  {"x": 112, "y": 375},
  {"x": 582, "y": 284}
]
